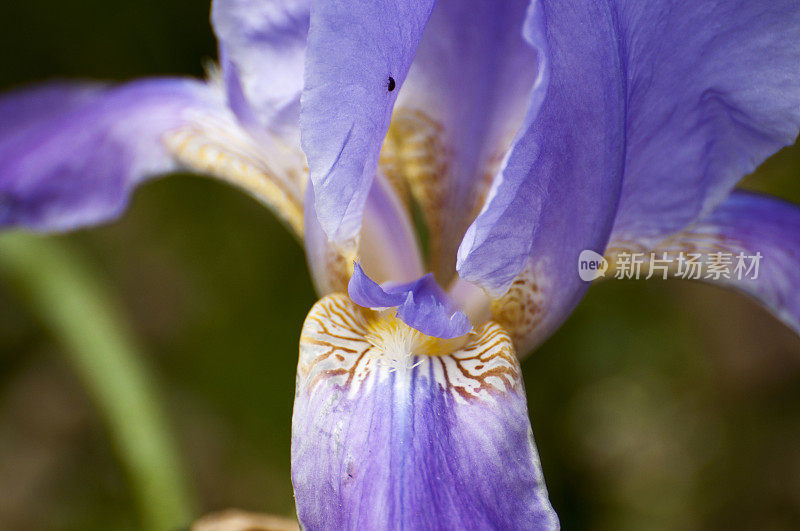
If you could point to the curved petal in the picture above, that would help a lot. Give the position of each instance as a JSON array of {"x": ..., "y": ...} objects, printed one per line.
[
  {"x": 354, "y": 48},
  {"x": 388, "y": 432},
  {"x": 557, "y": 190},
  {"x": 423, "y": 305},
  {"x": 75, "y": 160},
  {"x": 463, "y": 100},
  {"x": 750, "y": 243},
  {"x": 262, "y": 53},
  {"x": 714, "y": 90}
]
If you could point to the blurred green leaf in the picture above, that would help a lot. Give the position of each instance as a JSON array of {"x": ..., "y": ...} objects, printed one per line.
[{"x": 70, "y": 299}]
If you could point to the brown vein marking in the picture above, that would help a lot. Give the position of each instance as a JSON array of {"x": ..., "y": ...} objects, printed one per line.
[
  {"x": 498, "y": 362},
  {"x": 221, "y": 150},
  {"x": 333, "y": 326},
  {"x": 522, "y": 308},
  {"x": 340, "y": 348}
]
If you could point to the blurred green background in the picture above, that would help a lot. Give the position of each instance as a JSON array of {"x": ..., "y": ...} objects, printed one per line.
[{"x": 658, "y": 405}]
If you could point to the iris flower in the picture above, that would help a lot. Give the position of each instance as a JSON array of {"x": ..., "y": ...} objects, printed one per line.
[{"x": 513, "y": 135}]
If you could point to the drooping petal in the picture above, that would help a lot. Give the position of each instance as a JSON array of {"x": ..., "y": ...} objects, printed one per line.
[
  {"x": 557, "y": 190},
  {"x": 390, "y": 432},
  {"x": 354, "y": 48},
  {"x": 422, "y": 304},
  {"x": 750, "y": 243},
  {"x": 74, "y": 161},
  {"x": 714, "y": 89},
  {"x": 462, "y": 102},
  {"x": 262, "y": 54}
]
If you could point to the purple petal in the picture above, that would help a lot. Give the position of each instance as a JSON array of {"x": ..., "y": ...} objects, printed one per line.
[
  {"x": 556, "y": 193},
  {"x": 713, "y": 90},
  {"x": 262, "y": 53},
  {"x": 422, "y": 304},
  {"x": 469, "y": 86},
  {"x": 75, "y": 161},
  {"x": 384, "y": 438},
  {"x": 354, "y": 48},
  {"x": 749, "y": 225}
]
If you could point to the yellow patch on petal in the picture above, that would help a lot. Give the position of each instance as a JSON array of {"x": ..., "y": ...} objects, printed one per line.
[{"x": 522, "y": 307}]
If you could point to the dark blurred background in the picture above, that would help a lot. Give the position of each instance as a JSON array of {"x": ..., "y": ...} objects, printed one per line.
[{"x": 659, "y": 405}]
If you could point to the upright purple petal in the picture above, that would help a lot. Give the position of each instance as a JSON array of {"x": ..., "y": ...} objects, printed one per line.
[
  {"x": 391, "y": 431},
  {"x": 714, "y": 89},
  {"x": 262, "y": 53},
  {"x": 754, "y": 242},
  {"x": 356, "y": 51},
  {"x": 71, "y": 161},
  {"x": 463, "y": 101},
  {"x": 692, "y": 97},
  {"x": 557, "y": 190},
  {"x": 422, "y": 304}
]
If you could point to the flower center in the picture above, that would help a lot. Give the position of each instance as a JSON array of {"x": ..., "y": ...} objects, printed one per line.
[
  {"x": 349, "y": 348},
  {"x": 398, "y": 346}
]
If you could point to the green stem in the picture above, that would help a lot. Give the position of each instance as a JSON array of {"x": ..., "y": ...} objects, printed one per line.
[{"x": 66, "y": 295}]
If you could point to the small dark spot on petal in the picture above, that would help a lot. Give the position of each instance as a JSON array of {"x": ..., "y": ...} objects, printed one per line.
[
  {"x": 349, "y": 469},
  {"x": 391, "y": 84}
]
